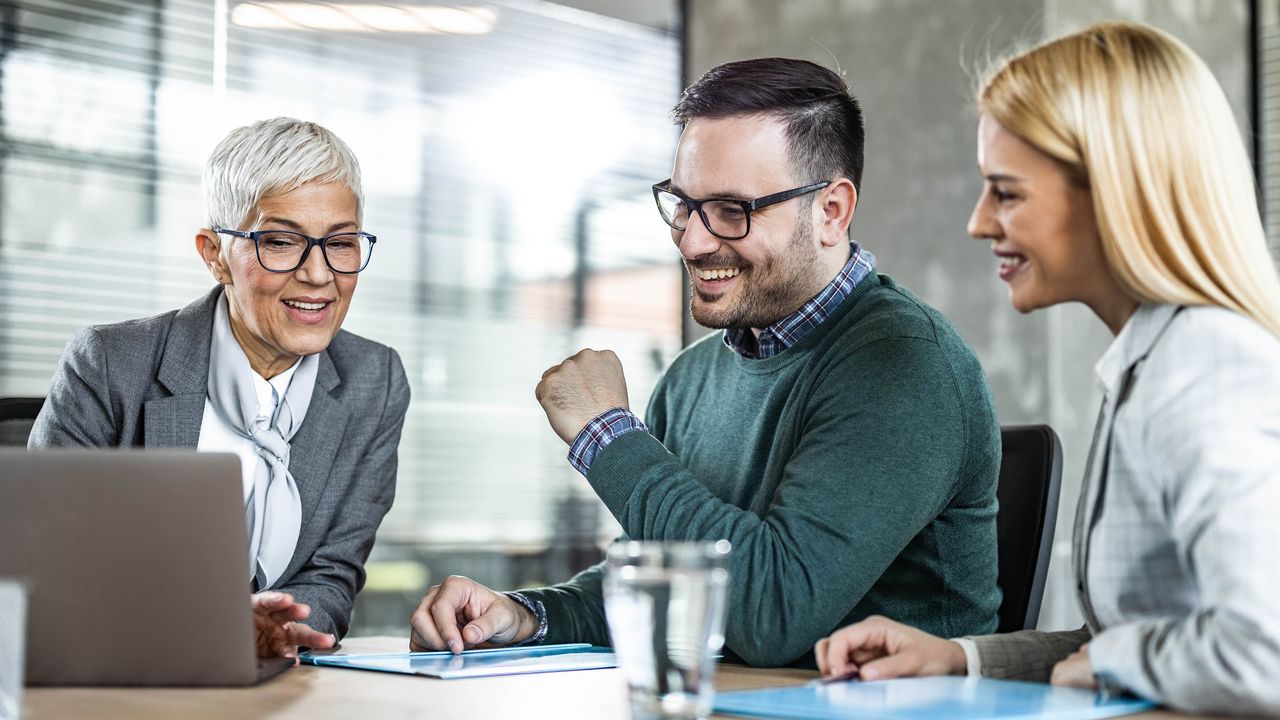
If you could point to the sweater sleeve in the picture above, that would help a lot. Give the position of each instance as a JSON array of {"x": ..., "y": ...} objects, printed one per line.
[{"x": 878, "y": 449}]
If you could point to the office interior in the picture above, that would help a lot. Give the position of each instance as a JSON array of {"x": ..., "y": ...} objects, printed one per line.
[{"x": 508, "y": 148}]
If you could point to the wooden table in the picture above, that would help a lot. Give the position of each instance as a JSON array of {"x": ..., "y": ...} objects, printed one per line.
[{"x": 313, "y": 693}]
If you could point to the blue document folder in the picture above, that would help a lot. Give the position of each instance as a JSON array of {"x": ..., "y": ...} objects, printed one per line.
[
  {"x": 475, "y": 663},
  {"x": 958, "y": 698}
]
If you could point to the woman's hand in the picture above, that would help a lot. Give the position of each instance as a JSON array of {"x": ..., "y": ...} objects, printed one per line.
[
  {"x": 277, "y": 629},
  {"x": 1075, "y": 671},
  {"x": 878, "y": 648}
]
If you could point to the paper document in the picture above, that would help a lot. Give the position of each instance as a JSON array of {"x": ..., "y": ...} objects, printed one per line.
[
  {"x": 476, "y": 663},
  {"x": 957, "y": 698}
]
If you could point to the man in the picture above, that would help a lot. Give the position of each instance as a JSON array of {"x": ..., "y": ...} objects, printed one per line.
[{"x": 838, "y": 433}]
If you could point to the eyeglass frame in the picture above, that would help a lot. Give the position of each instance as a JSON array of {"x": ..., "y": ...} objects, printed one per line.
[
  {"x": 256, "y": 237},
  {"x": 747, "y": 205}
]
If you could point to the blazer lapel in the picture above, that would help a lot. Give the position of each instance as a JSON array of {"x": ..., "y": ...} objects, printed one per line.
[
  {"x": 174, "y": 420},
  {"x": 1139, "y": 336}
]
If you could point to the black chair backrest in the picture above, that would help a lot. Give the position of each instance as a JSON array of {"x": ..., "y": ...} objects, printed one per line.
[
  {"x": 1030, "y": 478},
  {"x": 17, "y": 415}
]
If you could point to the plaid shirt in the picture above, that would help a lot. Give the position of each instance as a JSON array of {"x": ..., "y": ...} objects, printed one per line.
[
  {"x": 779, "y": 336},
  {"x": 791, "y": 329}
]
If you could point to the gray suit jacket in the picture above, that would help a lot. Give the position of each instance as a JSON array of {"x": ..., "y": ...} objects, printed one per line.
[
  {"x": 144, "y": 382},
  {"x": 1175, "y": 535}
]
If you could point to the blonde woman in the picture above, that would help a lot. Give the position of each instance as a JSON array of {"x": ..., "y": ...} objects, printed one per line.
[{"x": 1116, "y": 177}]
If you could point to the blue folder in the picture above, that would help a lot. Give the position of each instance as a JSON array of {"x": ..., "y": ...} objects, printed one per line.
[
  {"x": 958, "y": 698},
  {"x": 475, "y": 663}
]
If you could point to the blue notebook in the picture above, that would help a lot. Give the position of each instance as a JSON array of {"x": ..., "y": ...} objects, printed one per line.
[
  {"x": 958, "y": 698},
  {"x": 475, "y": 663}
]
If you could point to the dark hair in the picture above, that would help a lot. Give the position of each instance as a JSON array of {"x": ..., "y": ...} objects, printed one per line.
[{"x": 823, "y": 121}]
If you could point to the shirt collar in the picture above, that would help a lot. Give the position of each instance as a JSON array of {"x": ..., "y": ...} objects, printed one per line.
[
  {"x": 1132, "y": 344},
  {"x": 270, "y": 391},
  {"x": 792, "y": 328}
]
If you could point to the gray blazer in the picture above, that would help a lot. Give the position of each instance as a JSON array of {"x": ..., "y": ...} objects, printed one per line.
[
  {"x": 144, "y": 382},
  {"x": 1175, "y": 536}
]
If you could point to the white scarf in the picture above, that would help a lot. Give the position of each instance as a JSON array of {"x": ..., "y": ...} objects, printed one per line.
[{"x": 273, "y": 511}]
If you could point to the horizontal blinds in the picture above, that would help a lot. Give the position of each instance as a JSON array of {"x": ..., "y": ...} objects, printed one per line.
[
  {"x": 507, "y": 178},
  {"x": 1267, "y": 66}
]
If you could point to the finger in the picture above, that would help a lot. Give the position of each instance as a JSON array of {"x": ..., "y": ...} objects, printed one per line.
[
  {"x": 307, "y": 636},
  {"x": 494, "y": 621},
  {"x": 907, "y": 663},
  {"x": 270, "y": 601},
  {"x": 837, "y": 656},
  {"x": 292, "y": 613},
  {"x": 865, "y": 655},
  {"x": 423, "y": 634},
  {"x": 859, "y": 639},
  {"x": 819, "y": 654},
  {"x": 280, "y": 646},
  {"x": 454, "y": 595}
]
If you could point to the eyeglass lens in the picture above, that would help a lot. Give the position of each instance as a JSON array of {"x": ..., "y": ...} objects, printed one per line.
[
  {"x": 724, "y": 218},
  {"x": 282, "y": 251}
]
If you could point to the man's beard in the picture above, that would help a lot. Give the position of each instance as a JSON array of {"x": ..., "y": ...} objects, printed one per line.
[{"x": 769, "y": 290}]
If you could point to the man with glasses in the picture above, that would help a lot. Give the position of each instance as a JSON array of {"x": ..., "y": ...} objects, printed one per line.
[
  {"x": 839, "y": 432},
  {"x": 260, "y": 367}
]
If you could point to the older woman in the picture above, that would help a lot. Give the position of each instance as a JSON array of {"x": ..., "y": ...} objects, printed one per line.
[
  {"x": 260, "y": 367},
  {"x": 1116, "y": 177}
]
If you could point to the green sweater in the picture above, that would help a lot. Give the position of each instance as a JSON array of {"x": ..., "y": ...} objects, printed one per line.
[{"x": 854, "y": 473}]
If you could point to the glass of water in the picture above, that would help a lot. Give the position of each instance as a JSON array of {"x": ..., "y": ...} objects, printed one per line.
[
  {"x": 13, "y": 624},
  {"x": 665, "y": 603}
]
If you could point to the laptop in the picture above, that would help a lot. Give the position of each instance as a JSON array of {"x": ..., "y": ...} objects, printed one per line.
[{"x": 136, "y": 567}]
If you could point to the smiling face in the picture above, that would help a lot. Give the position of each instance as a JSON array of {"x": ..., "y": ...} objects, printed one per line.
[
  {"x": 279, "y": 317},
  {"x": 1041, "y": 227},
  {"x": 785, "y": 259}
]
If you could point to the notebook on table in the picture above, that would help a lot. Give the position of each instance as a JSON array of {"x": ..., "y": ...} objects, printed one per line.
[
  {"x": 957, "y": 698},
  {"x": 475, "y": 663}
]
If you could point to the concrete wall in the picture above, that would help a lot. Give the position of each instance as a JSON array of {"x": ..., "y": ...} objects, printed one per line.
[{"x": 913, "y": 65}]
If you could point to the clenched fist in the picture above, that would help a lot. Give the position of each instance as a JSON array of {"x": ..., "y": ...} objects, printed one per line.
[{"x": 577, "y": 390}]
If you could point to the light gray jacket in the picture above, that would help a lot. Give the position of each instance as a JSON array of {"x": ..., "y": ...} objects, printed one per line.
[
  {"x": 144, "y": 382},
  {"x": 1176, "y": 535}
]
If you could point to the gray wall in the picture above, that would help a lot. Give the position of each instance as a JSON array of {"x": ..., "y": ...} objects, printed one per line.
[{"x": 913, "y": 65}]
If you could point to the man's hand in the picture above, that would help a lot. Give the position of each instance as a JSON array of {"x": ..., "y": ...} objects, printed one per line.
[
  {"x": 277, "y": 629},
  {"x": 577, "y": 390},
  {"x": 461, "y": 613},
  {"x": 1075, "y": 671},
  {"x": 879, "y": 648}
]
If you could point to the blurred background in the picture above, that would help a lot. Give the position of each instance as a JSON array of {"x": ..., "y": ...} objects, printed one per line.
[{"x": 508, "y": 147}]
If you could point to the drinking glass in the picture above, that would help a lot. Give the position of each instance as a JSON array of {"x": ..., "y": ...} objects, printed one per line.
[{"x": 665, "y": 604}]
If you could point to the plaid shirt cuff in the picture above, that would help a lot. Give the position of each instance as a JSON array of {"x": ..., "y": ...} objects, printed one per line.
[
  {"x": 598, "y": 433},
  {"x": 540, "y": 612}
]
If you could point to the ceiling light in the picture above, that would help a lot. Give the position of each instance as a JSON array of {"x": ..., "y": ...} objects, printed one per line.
[{"x": 357, "y": 17}]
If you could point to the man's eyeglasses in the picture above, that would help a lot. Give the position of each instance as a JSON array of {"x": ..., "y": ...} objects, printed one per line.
[
  {"x": 726, "y": 219},
  {"x": 283, "y": 251}
]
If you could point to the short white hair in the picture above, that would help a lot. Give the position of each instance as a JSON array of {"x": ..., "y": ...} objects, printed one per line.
[{"x": 273, "y": 157}]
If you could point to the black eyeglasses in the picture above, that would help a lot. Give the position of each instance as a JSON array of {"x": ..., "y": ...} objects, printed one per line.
[
  {"x": 282, "y": 251},
  {"x": 726, "y": 219}
]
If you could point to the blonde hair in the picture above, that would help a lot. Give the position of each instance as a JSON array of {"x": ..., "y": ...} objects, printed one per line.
[
  {"x": 1136, "y": 116},
  {"x": 273, "y": 157}
]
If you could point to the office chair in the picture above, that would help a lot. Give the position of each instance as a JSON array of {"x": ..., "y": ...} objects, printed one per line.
[
  {"x": 1030, "y": 478},
  {"x": 17, "y": 415}
]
